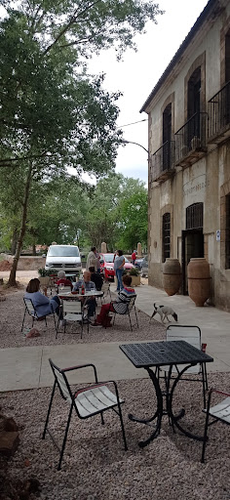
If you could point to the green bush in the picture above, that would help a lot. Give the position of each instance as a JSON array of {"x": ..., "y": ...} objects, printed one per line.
[
  {"x": 134, "y": 271},
  {"x": 46, "y": 272}
]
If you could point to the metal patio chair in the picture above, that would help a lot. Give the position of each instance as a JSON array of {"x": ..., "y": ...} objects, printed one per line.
[
  {"x": 92, "y": 400},
  {"x": 73, "y": 312},
  {"x": 106, "y": 291},
  {"x": 220, "y": 412},
  {"x": 31, "y": 311},
  {"x": 130, "y": 306},
  {"x": 64, "y": 289},
  {"x": 192, "y": 335}
]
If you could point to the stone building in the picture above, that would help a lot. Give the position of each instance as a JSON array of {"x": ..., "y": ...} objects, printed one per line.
[{"x": 189, "y": 154}]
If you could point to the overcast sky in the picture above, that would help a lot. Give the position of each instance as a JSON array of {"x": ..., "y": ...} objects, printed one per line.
[{"x": 138, "y": 73}]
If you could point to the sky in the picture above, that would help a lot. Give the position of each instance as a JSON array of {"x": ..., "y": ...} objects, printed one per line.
[{"x": 137, "y": 74}]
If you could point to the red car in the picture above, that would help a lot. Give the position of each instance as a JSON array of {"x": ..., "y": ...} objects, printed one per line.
[{"x": 107, "y": 265}]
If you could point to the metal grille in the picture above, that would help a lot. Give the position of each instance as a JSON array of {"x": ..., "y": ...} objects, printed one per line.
[
  {"x": 227, "y": 233},
  {"x": 166, "y": 236},
  {"x": 219, "y": 111},
  {"x": 194, "y": 216}
]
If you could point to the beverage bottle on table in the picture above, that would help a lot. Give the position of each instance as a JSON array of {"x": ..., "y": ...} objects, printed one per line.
[{"x": 82, "y": 290}]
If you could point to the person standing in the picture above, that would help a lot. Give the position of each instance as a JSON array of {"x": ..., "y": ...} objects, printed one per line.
[
  {"x": 134, "y": 254},
  {"x": 92, "y": 259},
  {"x": 119, "y": 262}
]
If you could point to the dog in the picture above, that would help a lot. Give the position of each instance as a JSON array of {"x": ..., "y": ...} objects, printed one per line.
[{"x": 164, "y": 312}]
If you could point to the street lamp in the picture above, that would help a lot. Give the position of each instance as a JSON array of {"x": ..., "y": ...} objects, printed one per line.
[{"x": 136, "y": 144}]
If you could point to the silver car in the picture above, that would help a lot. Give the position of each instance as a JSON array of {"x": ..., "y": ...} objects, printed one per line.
[{"x": 144, "y": 267}]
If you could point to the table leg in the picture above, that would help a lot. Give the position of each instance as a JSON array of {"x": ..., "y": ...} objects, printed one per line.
[
  {"x": 157, "y": 415},
  {"x": 176, "y": 418}
]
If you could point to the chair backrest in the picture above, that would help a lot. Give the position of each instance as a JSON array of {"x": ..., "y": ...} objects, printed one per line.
[
  {"x": 62, "y": 382},
  {"x": 72, "y": 306},
  {"x": 189, "y": 333},
  {"x": 105, "y": 287},
  {"x": 131, "y": 303},
  {"x": 64, "y": 289},
  {"x": 30, "y": 307}
]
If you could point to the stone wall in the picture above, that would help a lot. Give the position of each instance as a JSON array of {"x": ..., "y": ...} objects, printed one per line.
[{"x": 28, "y": 262}]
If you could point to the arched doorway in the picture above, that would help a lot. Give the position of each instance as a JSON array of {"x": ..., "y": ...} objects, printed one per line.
[{"x": 192, "y": 240}]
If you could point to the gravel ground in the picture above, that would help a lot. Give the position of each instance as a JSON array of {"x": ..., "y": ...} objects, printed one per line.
[
  {"x": 12, "y": 309},
  {"x": 95, "y": 465}
]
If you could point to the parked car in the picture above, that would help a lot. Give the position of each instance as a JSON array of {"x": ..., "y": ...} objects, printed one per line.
[
  {"x": 138, "y": 262},
  {"x": 144, "y": 267},
  {"x": 107, "y": 265},
  {"x": 64, "y": 257}
]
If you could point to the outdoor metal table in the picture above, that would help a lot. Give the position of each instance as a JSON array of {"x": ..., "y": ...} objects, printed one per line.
[{"x": 159, "y": 354}]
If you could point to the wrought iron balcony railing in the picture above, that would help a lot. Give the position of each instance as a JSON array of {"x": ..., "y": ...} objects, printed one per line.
[
  {"x": 162, "y": 162},
  {"x": 190, "y": 140},
  {"x": 219, "y": 112}
]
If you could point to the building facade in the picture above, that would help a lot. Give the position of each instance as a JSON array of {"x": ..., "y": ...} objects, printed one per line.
[{"x": 189, "y": 155}]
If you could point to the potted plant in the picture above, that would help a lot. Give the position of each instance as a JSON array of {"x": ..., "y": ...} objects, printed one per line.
[
  {"x": 44, "y": 275},
  {"x": 136, "y": 277}
]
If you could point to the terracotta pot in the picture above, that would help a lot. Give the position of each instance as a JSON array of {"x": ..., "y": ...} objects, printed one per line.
[
  {"x": 171, "y": 276},
  {"x": 199, "y": 281}
]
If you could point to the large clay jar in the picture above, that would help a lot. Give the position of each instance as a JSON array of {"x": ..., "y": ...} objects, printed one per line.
[
  {"x": 171, "y": 276},
  {"x": 199, "y": 281}
]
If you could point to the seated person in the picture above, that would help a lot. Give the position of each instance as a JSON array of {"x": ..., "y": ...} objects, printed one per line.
[
  {"x": 119, "y": 305},
  {"x": 62, "y": 280},
  {"x": 96, "y": 278},
  {"x": 42, "y": 304},
  {"x": 88, "y": 286}
]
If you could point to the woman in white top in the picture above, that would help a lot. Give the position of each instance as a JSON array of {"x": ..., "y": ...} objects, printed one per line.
[{"x": 92, "y": 259}]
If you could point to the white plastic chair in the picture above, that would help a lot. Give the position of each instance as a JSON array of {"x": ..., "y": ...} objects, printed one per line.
[
  {"x": 192, "y": 335},
  {"x": 220, "y": 412},
  {"x": 91, "y": 400},
  {"x": 73, "y": 312}
]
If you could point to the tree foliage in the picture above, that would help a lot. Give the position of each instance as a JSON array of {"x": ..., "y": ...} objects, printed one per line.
[{"x": 53, "y": 115}]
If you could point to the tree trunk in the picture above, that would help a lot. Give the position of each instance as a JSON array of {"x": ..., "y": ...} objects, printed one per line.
[
  {"x": 14, "y": 241},
  {"x": 12, "y": 278}
]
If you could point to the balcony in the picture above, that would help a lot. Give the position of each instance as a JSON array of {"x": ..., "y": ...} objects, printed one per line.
[
  {"x": 162, "y": 162},
  {"x": 190, "y": 140},
  {"x": 219, "y": 116}
]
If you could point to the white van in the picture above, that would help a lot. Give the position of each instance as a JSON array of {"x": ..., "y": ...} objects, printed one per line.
[{"x": 64, "y": 257}]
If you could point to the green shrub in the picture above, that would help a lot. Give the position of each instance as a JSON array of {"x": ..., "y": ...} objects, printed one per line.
[
  {"x": 46, "y": 272},
  {"x": 134, "y": 271}
]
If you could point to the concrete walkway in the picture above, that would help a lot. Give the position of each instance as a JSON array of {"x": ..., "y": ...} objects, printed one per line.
[{"x": 28, "y": 367}]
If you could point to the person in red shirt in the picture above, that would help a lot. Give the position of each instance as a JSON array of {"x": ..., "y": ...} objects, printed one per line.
[
  {"x": 134, "y": 256},
  {"x": 62, "y": 280}
]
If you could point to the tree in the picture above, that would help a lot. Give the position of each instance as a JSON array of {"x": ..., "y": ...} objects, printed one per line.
[
  {"x": 52, "y": 115},
  {"x": 134, "y": 220},
  {"x": 118, "y": 213}
]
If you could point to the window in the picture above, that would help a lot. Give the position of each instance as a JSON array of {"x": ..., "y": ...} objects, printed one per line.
[
  {"x": 167, "y": 131},
  {"x": 227, "y": 80},
  {"x": 227, "y": 233},
  {"x": 194, "y": 216},
  {"x": 165, "y": 236},
  {"x": 194, "y": 105},
  {"x": 227, "y": 57}
]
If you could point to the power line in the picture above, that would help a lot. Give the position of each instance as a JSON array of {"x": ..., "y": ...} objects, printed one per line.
[{"x": 134, "y": 123}]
